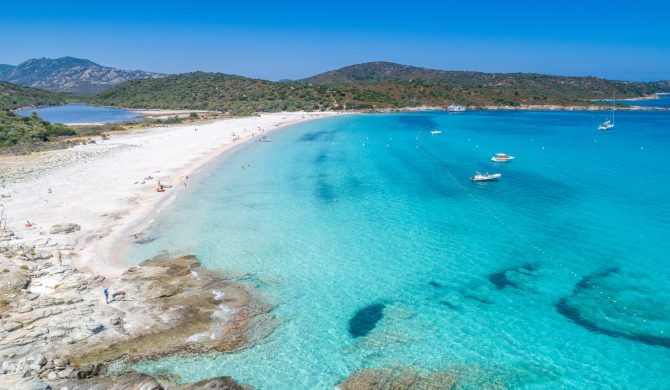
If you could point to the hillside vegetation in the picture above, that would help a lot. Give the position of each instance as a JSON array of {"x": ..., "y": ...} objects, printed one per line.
[
  {"x": 14, "y": 96},
  {"x": 18, "y": 131},
  {"x": 377, "y": 85}
]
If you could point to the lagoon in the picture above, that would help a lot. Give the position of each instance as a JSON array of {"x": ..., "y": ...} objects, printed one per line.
[{"x": 70, "y": 114}]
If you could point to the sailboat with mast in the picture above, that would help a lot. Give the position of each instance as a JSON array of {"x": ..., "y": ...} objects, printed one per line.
[{"x": 609, "y": 123}]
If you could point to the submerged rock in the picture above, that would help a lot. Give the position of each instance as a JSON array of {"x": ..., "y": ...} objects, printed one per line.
[
  {"x": 365, "y": 320},
  {"x": 616, "y": 305},
  {"x": 511, "y": 277},
  {"x": 398, "y": 378},
  {"x": 140, "y": 381},
  {"x": 403, "y": 377}
]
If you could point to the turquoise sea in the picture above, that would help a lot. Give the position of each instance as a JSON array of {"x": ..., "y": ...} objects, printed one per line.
[
  {"x": 82, "y": 113},
  {"x": 367, "y": 234}
]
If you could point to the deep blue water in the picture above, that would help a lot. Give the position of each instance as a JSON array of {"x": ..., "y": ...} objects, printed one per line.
[
  {"x": 378, "y": 250},
  {"x": 82, "y": 113}
]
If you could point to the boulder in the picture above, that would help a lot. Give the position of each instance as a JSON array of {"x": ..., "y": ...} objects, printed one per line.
[
  {"x": 12, "y": 326},
  {"x": 64, "y": 228},
  {"x": 220, "y": 383}
]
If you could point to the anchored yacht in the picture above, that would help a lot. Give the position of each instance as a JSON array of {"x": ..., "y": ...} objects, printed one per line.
[
  {"x": 486, "y": 177},
  {"x": 501, "y": 157}
]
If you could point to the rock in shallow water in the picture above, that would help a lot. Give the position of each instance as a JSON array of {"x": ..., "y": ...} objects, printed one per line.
[
  {"x": 401, "y": 378},
  {"x": 365, "y": 320},
  {"x": 140, "y": 381},
  {"x": 617, "y": 304}
]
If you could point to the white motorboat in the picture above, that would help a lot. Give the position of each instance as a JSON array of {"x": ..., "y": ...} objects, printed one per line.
[
  {"x": 502, "y": 157},
  {"x": 455, "y": 108},
  {"x": 436, "y": 132},
  {"x": 485, "y": 177},
  {"x": 264, "y": 139}
]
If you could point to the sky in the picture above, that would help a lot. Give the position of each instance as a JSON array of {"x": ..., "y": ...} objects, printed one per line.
[{"x": 290, "y": 40}]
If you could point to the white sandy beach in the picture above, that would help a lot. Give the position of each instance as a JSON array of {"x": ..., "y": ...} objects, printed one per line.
[{"x": 103, "y": 187}]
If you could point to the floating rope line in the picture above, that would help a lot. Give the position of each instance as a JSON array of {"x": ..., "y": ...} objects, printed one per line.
[{"x": 509, "y": 227}]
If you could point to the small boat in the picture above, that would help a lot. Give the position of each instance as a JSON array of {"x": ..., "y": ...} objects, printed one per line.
[
  {"x": 501, "y": 157},
  {"x": 264, "y": 139},
  {"x": 436, "y": 132},
  {"x": 609, "y": 123},
  {"x": 486, "y": 177},
  {"x": 455, "y": 108},
  {"x": 606, "y": 125}
]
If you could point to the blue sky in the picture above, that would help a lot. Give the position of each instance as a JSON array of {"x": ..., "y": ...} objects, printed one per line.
[{"x": 276, "y": 40}]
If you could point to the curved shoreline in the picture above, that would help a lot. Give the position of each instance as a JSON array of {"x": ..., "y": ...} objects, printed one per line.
[
  {"x": 108, "y": 187},
  {"x": 144, "y": 215}
]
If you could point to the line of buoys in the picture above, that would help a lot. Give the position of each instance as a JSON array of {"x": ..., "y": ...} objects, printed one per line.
[{"x": 510, "y": 228}]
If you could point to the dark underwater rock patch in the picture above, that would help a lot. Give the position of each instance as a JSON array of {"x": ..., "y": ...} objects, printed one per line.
[
  {"x": 144, "y": 241},
  {"x": 316, "y": 136},
  {"x": 365, "y": 320},
  {"x": 321, "y": 158},
  {"x": 325, "y": 191},
  {"x": 615, "y": 322},
  {"x": 501, "y": 279}
]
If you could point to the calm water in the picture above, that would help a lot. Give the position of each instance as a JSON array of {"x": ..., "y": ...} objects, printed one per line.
[
  {"x": 663, "y": 101},
  {"x": 82, "y": 113},
  {"x": 378, "y": 250}
]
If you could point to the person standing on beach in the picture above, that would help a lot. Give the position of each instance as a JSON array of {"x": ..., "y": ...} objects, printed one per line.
[{"x": 106, "y": 291}]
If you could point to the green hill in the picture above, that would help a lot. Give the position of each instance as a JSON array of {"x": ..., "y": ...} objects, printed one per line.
[
  {"x": 19, "y": 131},
  {"x": 216, "y": 91},
  {"x": 371, "y": 85},
  {"x": 16, "y": 131},
  {"x": 14, "y": 96}
]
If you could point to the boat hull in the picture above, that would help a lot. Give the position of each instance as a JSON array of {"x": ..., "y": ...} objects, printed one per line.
[{"x": 493, "y": 177}]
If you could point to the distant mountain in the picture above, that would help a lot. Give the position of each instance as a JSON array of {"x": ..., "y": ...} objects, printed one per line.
[
  {"x": 5, "y": 67},
  {"x": 72, "y": 75},
  {"x": 14, "y": 96}
]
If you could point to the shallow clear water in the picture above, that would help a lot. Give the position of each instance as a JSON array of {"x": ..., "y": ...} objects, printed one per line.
[
  {"x": 378, "y": 250},
  {"x": 82, "y": 113}
]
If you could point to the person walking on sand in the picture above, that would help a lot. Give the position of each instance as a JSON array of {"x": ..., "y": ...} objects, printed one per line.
[{"x": 106, "y": 291}]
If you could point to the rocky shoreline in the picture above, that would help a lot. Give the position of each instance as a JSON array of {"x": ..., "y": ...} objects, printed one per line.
[{"x": 57, "y": 331}]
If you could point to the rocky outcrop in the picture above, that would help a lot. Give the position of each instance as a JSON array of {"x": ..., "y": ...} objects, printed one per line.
[
  {"x": 64, "y": 228},
  {"x": 55, "y": 325},
  {"x": 173, "y": 306},
  {"x": 136, "y": 380}
]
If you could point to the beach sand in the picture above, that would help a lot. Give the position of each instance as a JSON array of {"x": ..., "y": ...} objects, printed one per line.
[{"x": 105, "y": 187}]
